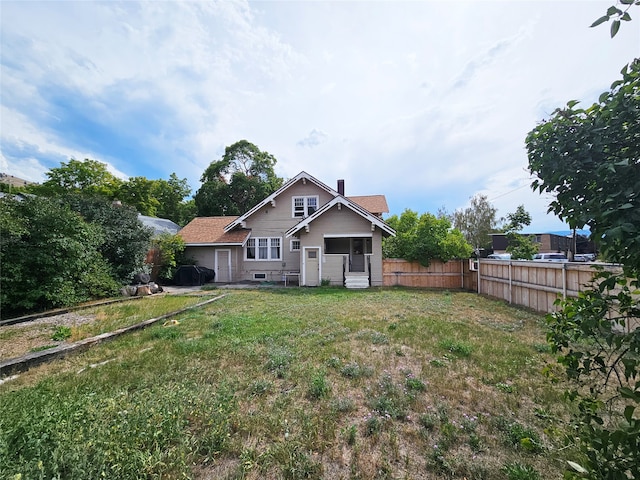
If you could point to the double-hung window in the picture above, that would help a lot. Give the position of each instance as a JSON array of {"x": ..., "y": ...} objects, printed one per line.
[
  {"x": 263, "y": 248},
  {"x": 304, "y": 206}
]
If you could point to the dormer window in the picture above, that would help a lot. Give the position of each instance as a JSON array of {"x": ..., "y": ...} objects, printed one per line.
[{"x": 304, "y": 206}]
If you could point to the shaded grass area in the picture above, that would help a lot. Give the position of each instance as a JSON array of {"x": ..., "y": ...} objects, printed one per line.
[{"x": 298, "y": 383}]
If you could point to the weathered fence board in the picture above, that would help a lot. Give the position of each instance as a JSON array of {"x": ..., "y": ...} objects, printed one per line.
[
  {"x": 398, "y": 272},
  {"x": 534, "y": 285}
]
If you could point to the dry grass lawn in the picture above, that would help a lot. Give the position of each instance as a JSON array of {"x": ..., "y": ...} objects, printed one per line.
[{"x": 298, "y": 383}]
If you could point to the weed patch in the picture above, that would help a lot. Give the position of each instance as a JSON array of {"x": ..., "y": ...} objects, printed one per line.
[
  {"x": 458, "y": 348},
  {"x": 520, "y": 436},
  {"x": 61, "y": 333}
]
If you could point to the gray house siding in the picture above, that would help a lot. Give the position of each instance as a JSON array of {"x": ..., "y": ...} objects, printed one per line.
[
  {"x": 343, "y": 223},
  {"x": 273, "y": 221}
]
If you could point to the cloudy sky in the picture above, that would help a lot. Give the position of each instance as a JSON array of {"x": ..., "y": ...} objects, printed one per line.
[{"x": 427, "y": 102}]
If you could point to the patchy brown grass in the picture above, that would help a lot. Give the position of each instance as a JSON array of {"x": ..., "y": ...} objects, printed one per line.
[{"x": 329, "y": 383}]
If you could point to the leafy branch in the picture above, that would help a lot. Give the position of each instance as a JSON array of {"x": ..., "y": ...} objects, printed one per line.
[{"x": 617, "y": 14}]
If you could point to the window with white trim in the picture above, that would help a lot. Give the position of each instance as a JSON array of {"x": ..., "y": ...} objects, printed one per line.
[
  {"x": 304, "y": 206},
  {"x": 295, "y": 245},
  {"x": 263, "y": 248}
]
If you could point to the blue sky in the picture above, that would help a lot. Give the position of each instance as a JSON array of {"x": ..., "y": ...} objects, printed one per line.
[{"x": 426, "y": 102}]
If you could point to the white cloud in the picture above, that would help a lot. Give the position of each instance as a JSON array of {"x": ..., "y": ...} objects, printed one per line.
[
  {"x": 426, "y": 102},
  {"x": 315, "y": 138}
]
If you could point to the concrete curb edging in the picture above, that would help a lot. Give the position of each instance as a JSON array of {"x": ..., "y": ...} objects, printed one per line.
[{"x": 23, "y": 363}]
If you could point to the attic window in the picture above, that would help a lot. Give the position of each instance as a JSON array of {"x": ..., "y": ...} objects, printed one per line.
[{"x": 304, "y": 206}]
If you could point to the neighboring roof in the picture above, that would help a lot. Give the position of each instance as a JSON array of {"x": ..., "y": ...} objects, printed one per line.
[
  {"x": 374, "y": 203},
  {"x": 210, "y": 231},
  {"x": 159, "y": 225},
  {"x": 347, "y": 203}
]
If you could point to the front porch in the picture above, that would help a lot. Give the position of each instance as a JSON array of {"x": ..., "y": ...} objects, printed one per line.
[
  {"x": 357, "y": 280},
  {"x": 356, "y": 274}
]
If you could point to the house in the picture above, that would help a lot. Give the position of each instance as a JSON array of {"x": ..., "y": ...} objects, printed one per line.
[
  {"x": 547, "y": 242},
  {"x": 305, "y": 231}
]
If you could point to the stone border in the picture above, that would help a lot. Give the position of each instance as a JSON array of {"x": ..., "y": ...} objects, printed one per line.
[{"x": 25, "y": 362}]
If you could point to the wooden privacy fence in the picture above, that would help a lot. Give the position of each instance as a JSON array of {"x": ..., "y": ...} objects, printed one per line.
[
  {"x": 398, "y": 272},
  {"x": 534, "y": 285}
]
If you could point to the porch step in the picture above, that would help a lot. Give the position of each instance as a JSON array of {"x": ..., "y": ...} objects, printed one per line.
[{"x": 356, "y": 282}]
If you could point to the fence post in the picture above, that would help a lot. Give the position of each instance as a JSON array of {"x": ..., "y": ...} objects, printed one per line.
[{"x": 510, "y": 284}]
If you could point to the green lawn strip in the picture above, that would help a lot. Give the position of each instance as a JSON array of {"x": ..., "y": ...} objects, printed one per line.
[{"x": 299, "y": 383}]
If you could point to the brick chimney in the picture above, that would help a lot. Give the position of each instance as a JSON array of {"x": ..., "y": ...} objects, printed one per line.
[{"x": 341, "y": 187}]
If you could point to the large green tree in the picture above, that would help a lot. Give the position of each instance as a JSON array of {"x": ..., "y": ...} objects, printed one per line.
[
  {"x": 171, "y": 196},
  {"x": 139, "y": 192},
  {"x": 590, "y": 160},
  {"x": 50, "y": 256},
  {"x": 126, "y": 240},
  {"x": 423, "y": 238},
  {"x": 477, "y": 222},
  {"x": 234, "y": 184},
  {"x": 159, "y": 198},
  {"x": 86, "y": 176}
]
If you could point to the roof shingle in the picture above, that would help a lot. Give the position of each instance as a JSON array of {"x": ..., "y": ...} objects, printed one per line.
[
  {"x": 376, "y": 204},
  {"x": 210, "y": 230}
]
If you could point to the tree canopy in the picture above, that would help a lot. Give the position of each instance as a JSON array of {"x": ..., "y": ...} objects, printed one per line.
[
  {"x": 423, "y": 238},
  {"x": 86, "y": 176},
  {"x": 125, "y": 240},
  {"x": 590, "y": 159},
  {"x": 520, "y": 246},
  {"x": 234, "y": 184},
  {"x": 155, "y": 198},
  {"x": 50, "y": 256},
  {"x": 477, "y": 222}
]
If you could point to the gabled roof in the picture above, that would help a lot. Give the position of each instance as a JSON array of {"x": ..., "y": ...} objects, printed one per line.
[
  {"x": 376, "y": 204},
  {"x": 211, "y": 231},
  {"x": 272, "y": 197},
  {"x": 347, "y": 203}
]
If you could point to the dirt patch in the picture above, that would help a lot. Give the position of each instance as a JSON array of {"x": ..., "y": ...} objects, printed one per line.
[{"x": 20, "y": 339}]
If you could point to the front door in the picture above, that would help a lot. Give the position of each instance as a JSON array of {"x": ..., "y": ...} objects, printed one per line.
[
  {"x": 223, "y": 266},
  {"x": 312, "y": 267},
  {"x": 357, "y": 255}
]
